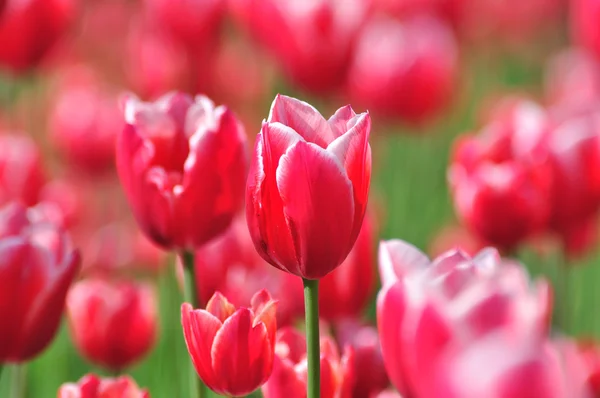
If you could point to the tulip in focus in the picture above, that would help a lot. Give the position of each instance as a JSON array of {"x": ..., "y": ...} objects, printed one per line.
[
  {"x": 308, "y": 186},
  {"x": 585, "y": 28},
  {"x": 37, "y": 266},
  {"x": 290, "y": 368},
  {"x": 182, "y": 163},
  {"x": 91, "y": 386},
  {"x": 113, "y": 324},
  {"x": 232, "y": 350}
]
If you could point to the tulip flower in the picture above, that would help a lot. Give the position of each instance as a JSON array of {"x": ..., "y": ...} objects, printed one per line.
[
  {"x": 585, "y": 29},
  {"x": 427, "y": 309},
  {"x": 182, "y": 163},
  {"x": 499, "y": 179},
  {"x": 21, "y": 170},
  {"x": 112, "y": 324},
  {"x": 37, "y": 266},
  {"x": 29, "y": 29},
  {"x": 411, "y": 74},
  {"x": 290, "y": 369},
  {"x": 91, "y": 386},
  {"x": 232, "y": 350}
]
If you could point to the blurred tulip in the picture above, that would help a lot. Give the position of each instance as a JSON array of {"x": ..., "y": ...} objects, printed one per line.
[
  {"x": 585, "y": 28},
  {"x": 410, "y": 74},
  {"x": 403, "y": 9},
  {"x": 345, "y": 292},
  {"x": 290, "y": 368},
  {"x": 86, "y": 137},
  {"x": 29, "y": 28},
  {"x": 387, "y": 394},
  {"x": 91, "y": 386},
  {"x": 37, "y": 265},
  {"x": 453, "y": 237},
  {"x": 311, "y": 40},
  {"x": 426, "y": 309},
  {"x": 67, "y": 197},
  {"x": 308, "y": 186},
  {"x": 371, "y": 376},
  {"x": 182, "y": 163},
  {"x": 21, "y": 169},
  {"x": 232, "y": 350},
  {"x": 500, "y": 183},
  {"x": 113, "y": 324},
  {"x": 589, "y": 354}
]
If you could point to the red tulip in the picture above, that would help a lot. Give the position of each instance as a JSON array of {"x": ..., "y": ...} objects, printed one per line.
[
  {"x": 232, "y": 350},
  {"x": 86, "y": 137},
  {"x": 290, "y": 368},
  {"x": 112, "y": 324},
  {"x": 91, "y": 386},
  {"x": 427, "y": 309},
  {"x": 585, "y": 28},
  {"x": 411, "y": 74},
  {"x": 499, "y": 181},
  {"x": 21, "y": 170},
  {"x": 37, "y": 265},
  {"x": 182, "y": 163},
  {"x": 29, "y": 28},
  {"x": 346, "y": 291},
  {"x": 589, "y": 354},
  {"x": 308, "y": 186}
]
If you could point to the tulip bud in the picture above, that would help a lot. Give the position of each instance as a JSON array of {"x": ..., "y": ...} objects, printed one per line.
[
  {"x": 37, "y": 265},
  {"x": 232, "y": 350},
  {"x": 112, "y": 324},
  {"x": 308, "y": 187},
  {"x": 91, "y": 386},
  {"x": 182, "y": 163}
]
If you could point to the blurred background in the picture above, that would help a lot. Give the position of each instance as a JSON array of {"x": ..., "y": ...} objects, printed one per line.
[{"x": 463, "y": 94}]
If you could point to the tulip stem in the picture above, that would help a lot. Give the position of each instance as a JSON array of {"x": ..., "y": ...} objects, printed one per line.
[
  {"x": 17, "y": 388},
  {"x": 311, "y": 308}
]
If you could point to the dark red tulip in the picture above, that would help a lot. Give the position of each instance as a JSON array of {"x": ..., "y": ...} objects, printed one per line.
[
  {"x": 585, "y": 28},
  {"x": 113, "y": 324},
  {"x": 308, "y": 186},
  {"x": 232, "y": 350},
  {"x": 182, "y": 162},
  {"x": 29, "y": 29},
  {"x": 37, "y": 266},
  {"x": 411, "y": 74},
  {"x": 92, "y": 386}
]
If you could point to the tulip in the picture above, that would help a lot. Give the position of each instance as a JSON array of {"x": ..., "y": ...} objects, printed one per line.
[
  {"x": 91, "y": 386},
  {"x": 21, "y": 170},
  {"x": 232, "y": 350},
  {"x": 589, "y": 354},
  {"x": 112, "y": 324},
  {"x": 37, "y": 266},
  {"x": 87, "y": 137},
  {"x": 182, "y": 163},
  {"x": 29, "y": 29},
  {"x": 290, "y": 368},
  {"x": 308, "y": 185},
  {"x": 411, "y": 74},
  {"x": 585, "y": 29},
  {"x": 499, "y": 179},
  {"x": 426, "y": 309}
]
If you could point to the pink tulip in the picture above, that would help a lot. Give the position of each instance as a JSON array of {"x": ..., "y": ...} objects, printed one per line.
[
  {"x": 585, "y": 28},
  {"x": 91, "y": 386}
]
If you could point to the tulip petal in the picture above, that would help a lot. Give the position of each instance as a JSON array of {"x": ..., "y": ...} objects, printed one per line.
[
  {"x": 284, "y": 381},
  {"x": 302, "y": 118},
  {"x": 319, "y": 208},
  {"x": 397, "y": 258},
  {"x": 265, "y": 308},
  {"x": 342, "y": 120},
  {"x": 220, "y": 307}
]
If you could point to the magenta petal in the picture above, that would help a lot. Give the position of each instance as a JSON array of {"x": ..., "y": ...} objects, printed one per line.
[
  {"x": 397, "y": 258},
  {"x": 319, "y": 207},
  {"x": 340, "y": 122}
]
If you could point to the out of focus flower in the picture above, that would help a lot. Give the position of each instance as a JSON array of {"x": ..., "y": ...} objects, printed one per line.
[
  {"x": 182, "y": 163},
  {"x": 232, "y": 350},
  {"x": 37, "y": 266},
  {"x": 589, "y": 353},
  {"x": 369, "y": 370},
  {"x": 311, "y": 40},
  {"x": 290, "y": 368},
  {"x": 345, "y": 292},
  {"x": 453, "y": 237},
  {"x": 427, "y": 309},
  {"x": 86, "y": 137},
  {"x": 67, "y": 197},
  {"x": 500, "y": 183},
  {"x": 585, "y": 28},
  {"x": 308, "y": 186},
  {"x": 91, "y": 386},
  {"x": 29, "y": 28},
  {"x": 21, "y": 170},
  {"x": 404, "y": 70},
  {"x": 113, "y": 324}
]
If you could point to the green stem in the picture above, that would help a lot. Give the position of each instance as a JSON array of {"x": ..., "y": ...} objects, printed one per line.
[
  {"x": 18, "y": 382},
  {"x": 311, "y": 307}
]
